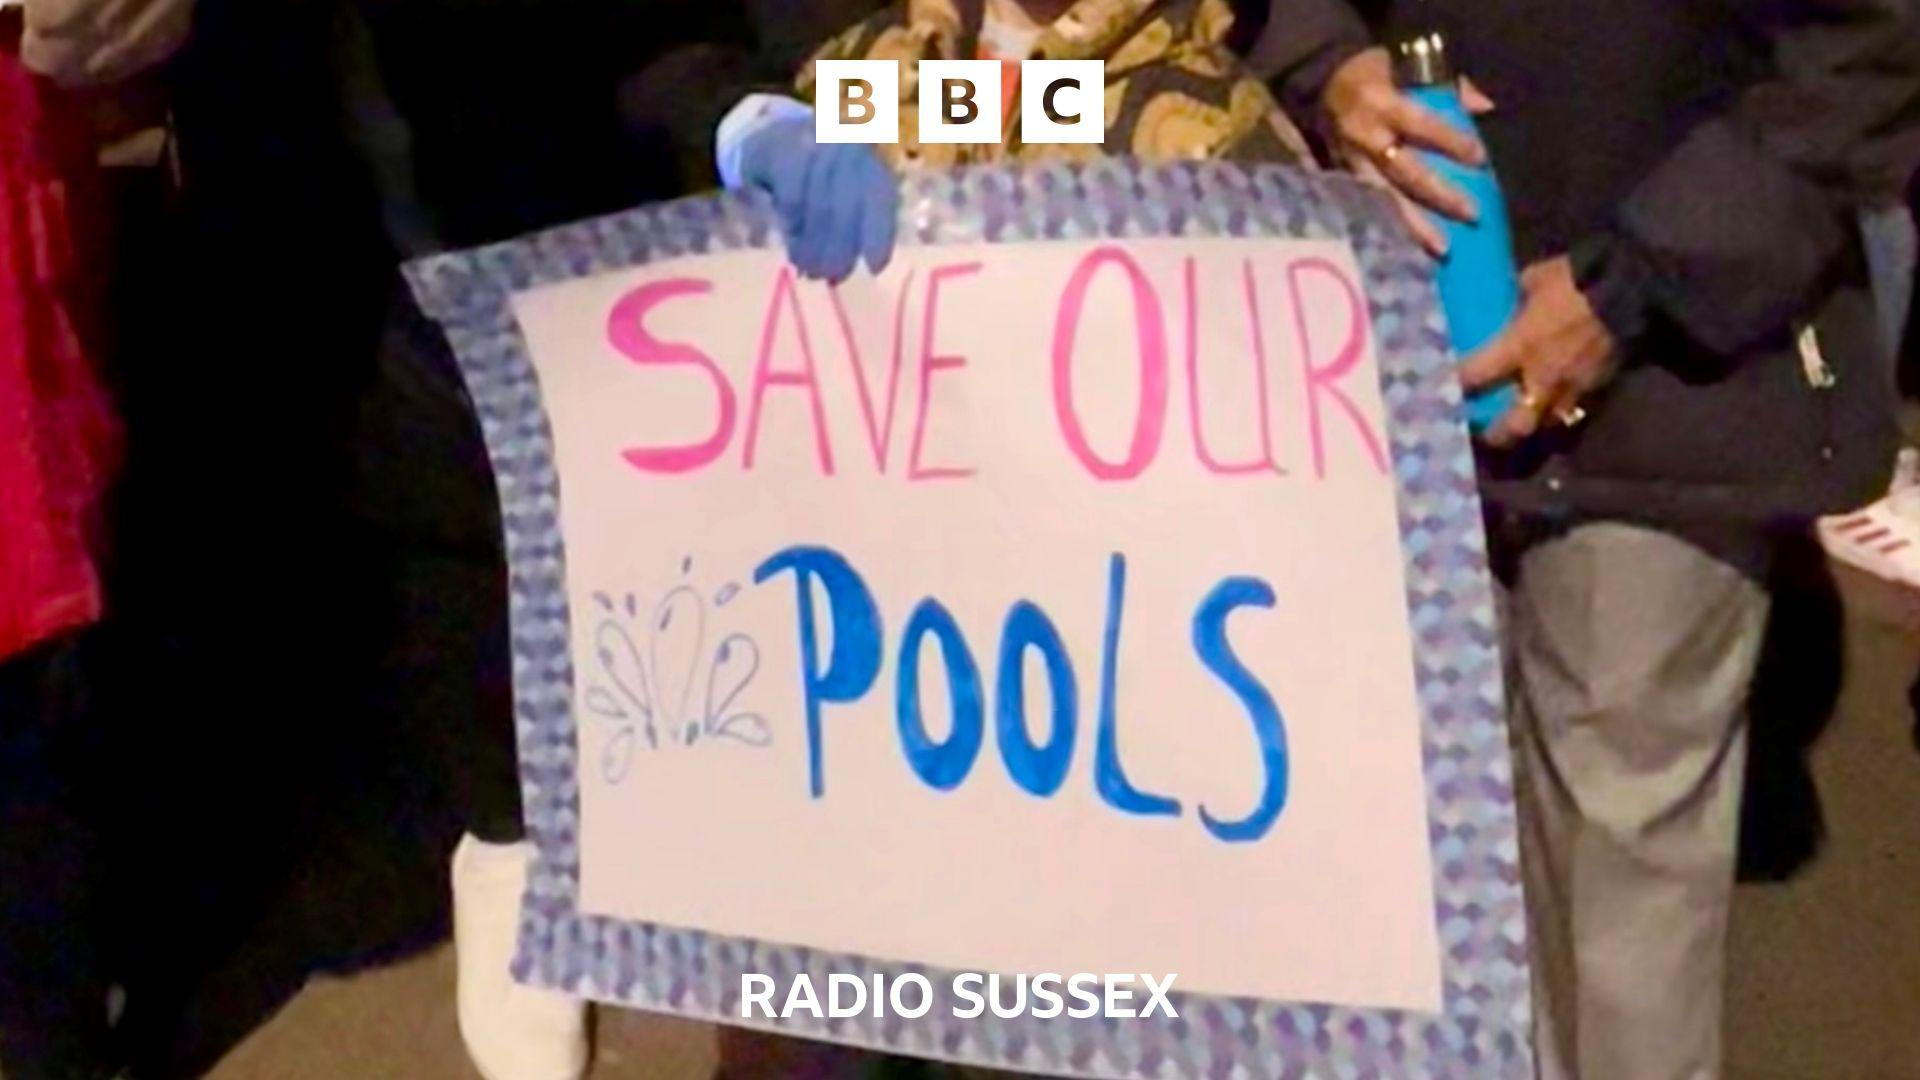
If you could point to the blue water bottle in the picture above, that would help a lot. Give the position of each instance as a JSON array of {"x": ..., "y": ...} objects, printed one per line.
[{"x": 1478, "y": 279}]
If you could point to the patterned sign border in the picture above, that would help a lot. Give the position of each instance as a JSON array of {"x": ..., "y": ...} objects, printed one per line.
[{"x": 1483, "y": 1027}]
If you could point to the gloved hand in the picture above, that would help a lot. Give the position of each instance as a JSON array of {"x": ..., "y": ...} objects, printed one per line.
[{"x": 837, "y": 203}]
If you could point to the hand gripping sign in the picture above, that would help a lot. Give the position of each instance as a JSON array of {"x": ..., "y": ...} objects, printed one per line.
[{"x": 1100, "y": 589}]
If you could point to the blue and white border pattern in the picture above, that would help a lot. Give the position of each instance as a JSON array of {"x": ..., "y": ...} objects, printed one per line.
[{"x": 1483, "y": 1027}]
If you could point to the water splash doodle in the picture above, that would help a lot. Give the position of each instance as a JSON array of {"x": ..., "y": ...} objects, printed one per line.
[{"x": 656, "y": 683}]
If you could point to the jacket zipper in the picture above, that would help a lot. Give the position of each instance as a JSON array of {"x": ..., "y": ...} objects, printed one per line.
[{"x": 1821, "y": 377}]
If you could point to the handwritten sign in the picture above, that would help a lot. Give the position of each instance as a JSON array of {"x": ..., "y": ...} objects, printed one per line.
[{"x": 1031, "y": 607}]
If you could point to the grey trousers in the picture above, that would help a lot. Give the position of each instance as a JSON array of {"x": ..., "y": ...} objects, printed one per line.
[
  {"x": 1629, "y": 655},
  {"x": 1893, "y": 246}
]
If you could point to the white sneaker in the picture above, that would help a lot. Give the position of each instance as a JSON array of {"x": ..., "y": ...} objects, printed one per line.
[
  {"x": 1883, "y": 539},
  {"x": 512, "y": 1032}
]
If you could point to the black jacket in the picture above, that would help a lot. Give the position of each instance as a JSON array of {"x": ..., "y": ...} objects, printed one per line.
[
  {"x": 519, "y": 115},
  {"x": 1704, "y": 162}
]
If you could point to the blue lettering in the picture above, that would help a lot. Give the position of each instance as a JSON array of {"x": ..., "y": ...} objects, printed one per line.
[
  {"x": 1038, "y": 769},
  {"x": 1210, "y": 642},
  {"x": 856, "y": 636},
  {"x": 1108, "y": 777},
  {"x": 942, "y": 765}
]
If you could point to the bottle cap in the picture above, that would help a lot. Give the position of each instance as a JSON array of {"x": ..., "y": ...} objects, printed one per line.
[{"x": 1421, "y": 60}]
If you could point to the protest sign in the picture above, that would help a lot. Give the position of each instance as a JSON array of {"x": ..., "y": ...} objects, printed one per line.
[{"x": 1098, "y": 590}]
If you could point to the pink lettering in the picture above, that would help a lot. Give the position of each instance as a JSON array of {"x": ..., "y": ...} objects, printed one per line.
[
  {"x": 1265, "y": 461},
  {"x": 1325, "y": 379},
  {"x": 1151, "y": 332},
  {"x": 880, "y": 437},
  {"x": 627, "y": 333},
  {"x": 929, "y": 365},
  {"x": 764, "y": 375}
]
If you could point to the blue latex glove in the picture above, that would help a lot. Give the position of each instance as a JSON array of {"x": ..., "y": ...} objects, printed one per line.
[{"x": 837, "y": 203}]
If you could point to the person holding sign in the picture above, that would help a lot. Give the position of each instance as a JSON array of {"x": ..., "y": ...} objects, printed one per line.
[
  {"x": 466, "y": 144},
  {"x": 1172, "y": 90},
  {"x": 1697, "y": 297}
]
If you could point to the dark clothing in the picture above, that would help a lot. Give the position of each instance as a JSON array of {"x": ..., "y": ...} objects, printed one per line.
[
  {"x": 675, "y": 102},
  {"x": 1704, "y": 163},
  {"x": 53, "y": 971},
  {"x": 513, "y": 104},
  {"x": 427, "y": 525},
  {"x": 1909, "y": 360},
  {"x": 259, "y": 800},
  {"x": 525, "y": 114}
]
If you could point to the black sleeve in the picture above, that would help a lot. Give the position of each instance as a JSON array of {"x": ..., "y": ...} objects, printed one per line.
[
  {"x": 670, "y": 107},
  {"x": 677, "y": 100},
  {"x": 1733, "y": 235},
  {"x": 1302, "y": 44}
]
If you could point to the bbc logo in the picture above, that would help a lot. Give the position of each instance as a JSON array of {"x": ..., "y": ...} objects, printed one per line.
[{"x": 1061, "y": 101}]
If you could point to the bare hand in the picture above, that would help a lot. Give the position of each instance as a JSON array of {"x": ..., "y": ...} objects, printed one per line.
[
  {"x": 1373, "y": 123},
  {"x": 1557, "y": 350}
]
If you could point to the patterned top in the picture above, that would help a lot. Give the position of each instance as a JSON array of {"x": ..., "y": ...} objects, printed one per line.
[{"x": 1174, "y": 90}]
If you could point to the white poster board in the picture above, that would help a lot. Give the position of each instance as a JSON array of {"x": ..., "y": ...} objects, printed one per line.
[{"x": 1157, "y": 467}]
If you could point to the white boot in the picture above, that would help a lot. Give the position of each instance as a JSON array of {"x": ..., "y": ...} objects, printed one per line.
[{"x": 512, "y": 1032}]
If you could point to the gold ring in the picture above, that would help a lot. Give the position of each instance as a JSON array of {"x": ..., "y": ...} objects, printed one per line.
[{"x": 1572, "y": 415}]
